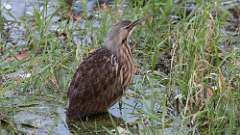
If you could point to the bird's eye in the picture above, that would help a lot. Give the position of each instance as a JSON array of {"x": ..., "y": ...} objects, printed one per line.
[{"x": 126, "y": 28}]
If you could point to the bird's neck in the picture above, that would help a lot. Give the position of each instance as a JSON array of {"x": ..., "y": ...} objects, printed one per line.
[{"x": 117, "y": 48}]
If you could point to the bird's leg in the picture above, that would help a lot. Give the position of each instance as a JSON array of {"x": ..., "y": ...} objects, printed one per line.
[{"x": 120, "y": 107}]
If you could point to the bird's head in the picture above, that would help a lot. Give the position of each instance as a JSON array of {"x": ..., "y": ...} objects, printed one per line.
[{"x": 120, "y": 32}]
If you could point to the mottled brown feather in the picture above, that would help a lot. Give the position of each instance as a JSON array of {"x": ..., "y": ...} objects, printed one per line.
[{"x": 95, "y": 85}]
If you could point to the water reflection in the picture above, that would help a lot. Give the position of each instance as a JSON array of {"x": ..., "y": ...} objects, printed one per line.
[
  {"x": 42, "y": 116},
  {"x": 36, "y": 116},
  {"x": 126, "y": 109},
  {"x": 96, "y": 124}
]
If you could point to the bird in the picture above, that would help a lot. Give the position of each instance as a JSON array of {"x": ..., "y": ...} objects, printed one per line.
[{"x": 103, "y": 76}]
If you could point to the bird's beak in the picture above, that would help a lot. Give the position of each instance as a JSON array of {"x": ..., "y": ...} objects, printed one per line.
[{"x": 135, "y": 23}]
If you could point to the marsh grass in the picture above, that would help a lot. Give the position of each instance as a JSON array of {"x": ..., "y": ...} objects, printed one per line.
[{"x": 200, "y": 95}]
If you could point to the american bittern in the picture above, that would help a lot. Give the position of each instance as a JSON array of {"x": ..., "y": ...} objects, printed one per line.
[{"x": 103, "y": 76}]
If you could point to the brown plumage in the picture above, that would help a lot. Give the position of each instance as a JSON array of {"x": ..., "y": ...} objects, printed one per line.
[{"x": 103, "y": 76}]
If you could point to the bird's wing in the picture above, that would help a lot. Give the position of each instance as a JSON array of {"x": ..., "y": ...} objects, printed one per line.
[{"x": 95, "y": 77}]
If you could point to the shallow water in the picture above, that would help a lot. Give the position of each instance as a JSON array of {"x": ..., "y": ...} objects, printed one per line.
[
  {"x": 14, "y": 11},
  {"x": 42, "y": 116}
]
